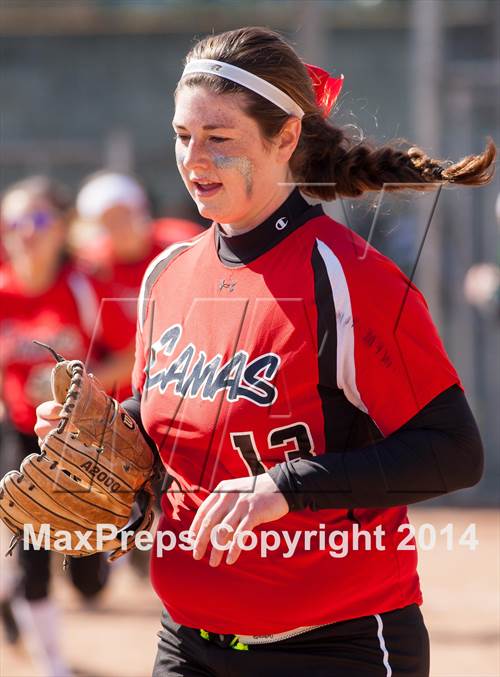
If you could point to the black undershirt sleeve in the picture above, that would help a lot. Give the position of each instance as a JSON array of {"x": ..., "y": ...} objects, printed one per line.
[
  {"x": 132, "y": 406},
  {"x": 436, "y": 452}
]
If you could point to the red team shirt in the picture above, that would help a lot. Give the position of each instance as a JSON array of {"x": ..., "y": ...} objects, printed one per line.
[
  {"x": 123, "y": 281},
  {"x": 241, "y": 367},
  {"x": 69, "y": 318}
]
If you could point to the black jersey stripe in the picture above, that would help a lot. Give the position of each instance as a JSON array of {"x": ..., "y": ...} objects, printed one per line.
[
  {"x": 327, "y": 345},
  {"x": 345, "y": 426}
]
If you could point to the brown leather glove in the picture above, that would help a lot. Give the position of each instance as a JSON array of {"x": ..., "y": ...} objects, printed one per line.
[{"x": 94, "y": 469}]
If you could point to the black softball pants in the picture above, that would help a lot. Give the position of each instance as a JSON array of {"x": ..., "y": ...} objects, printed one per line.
[{"x": 391, "y": 644}]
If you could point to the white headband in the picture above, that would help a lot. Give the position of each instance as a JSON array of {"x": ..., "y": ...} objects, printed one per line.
[{"x": 248, "y": 80}]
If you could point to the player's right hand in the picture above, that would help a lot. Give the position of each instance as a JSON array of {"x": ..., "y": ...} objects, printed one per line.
[{"x": 47, "y": 417}]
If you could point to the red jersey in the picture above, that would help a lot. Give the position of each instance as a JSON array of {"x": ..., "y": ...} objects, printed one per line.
[
  {"x": 123, "y": 280},
  {"x": 70, "y": 318},
  {"x": 234, "y": 379}
]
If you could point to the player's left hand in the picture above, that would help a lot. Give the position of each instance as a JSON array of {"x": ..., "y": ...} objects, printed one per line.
[{"x": 234, "y": 506}]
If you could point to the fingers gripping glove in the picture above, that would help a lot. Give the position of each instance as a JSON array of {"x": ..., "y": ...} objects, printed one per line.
[{"x": 94, "y": 469}]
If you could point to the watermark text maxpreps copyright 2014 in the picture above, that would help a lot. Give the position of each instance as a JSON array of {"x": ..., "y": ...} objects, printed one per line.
[{"x": 337, "y": 542}]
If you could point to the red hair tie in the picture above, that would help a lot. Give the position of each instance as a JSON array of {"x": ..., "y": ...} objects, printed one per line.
[{"x": 326, "y": 88}]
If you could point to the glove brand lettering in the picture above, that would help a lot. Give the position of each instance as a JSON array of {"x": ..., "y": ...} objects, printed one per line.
[
  {"x": 128, "y": 421},
  {"x": 194, "y": 375},
  {"x": 101, "y": 476}
]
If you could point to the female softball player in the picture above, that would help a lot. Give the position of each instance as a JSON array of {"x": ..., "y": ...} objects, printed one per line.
[
  {"x": 43, "y": 296},
  {"x": 294, "y": 384}
]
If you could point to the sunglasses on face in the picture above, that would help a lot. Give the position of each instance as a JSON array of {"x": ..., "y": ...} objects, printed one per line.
[{"x": 37, "y": 220}]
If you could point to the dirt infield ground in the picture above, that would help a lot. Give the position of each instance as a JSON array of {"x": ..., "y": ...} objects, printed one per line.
[{"x": 462, "y": 610}]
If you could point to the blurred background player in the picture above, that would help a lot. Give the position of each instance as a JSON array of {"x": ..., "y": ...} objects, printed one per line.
[
  {"x": 44, "y": 297},
  {"x": 482, "y": 282},
  {"x": 114, "y": 236}
]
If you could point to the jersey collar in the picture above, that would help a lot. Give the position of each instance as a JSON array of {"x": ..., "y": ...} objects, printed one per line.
[{"x": 244, "y": 248}]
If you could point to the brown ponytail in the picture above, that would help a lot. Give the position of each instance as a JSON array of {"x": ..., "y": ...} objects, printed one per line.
[
  {"x": 326, "y": 154},
  {"x": 326, "y": 161}
]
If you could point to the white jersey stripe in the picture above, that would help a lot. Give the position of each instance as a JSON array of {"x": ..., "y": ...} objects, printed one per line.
[
  {"x": 87, "y": 302},
  {"x": 383, "y": 648},
  {"x": 346, "y": 365},
  {"x": 153, "y": 267}
]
